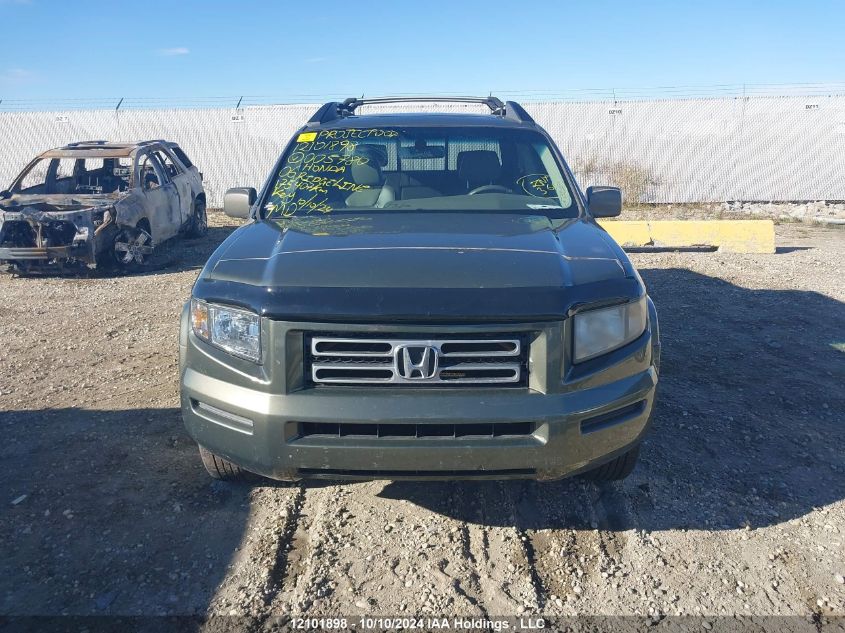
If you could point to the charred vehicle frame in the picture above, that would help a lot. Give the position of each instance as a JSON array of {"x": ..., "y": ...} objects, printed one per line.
[{"x": 97, "y": 203}]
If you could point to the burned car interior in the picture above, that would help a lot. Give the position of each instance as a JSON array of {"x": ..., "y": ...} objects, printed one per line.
[{"x": 81, "y": 175}]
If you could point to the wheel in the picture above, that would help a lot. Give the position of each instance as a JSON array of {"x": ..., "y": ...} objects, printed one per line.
[
  {"x": 131, "y": 248},
  {"x": 222, "y": 469},
  {"x": 198, "y": 224},
  {"x": 616, "y": 469}
]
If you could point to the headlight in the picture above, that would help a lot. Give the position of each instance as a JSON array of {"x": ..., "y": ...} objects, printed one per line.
[
  {"x": 235, "y": 331},
  {"x": 600, "y": 331}
]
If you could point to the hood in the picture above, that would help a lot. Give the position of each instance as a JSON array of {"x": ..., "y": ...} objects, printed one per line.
[
  {"x": 53, "y": 203},
  {"x": 400, "y": 266}
]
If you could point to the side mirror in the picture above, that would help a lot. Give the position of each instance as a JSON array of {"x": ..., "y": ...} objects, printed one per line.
[
  {"x": 604, "y": 202},
  {"x": 238, "y": 201}
]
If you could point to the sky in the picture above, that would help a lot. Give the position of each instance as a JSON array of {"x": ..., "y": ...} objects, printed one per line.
[{"x": 308, "y": 51}]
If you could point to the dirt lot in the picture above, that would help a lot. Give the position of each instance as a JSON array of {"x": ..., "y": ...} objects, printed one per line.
[{"x": 737, "y": 506}]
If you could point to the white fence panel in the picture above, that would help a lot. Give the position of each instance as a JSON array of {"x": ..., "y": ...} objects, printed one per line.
[{"x": 688, "y": 150}]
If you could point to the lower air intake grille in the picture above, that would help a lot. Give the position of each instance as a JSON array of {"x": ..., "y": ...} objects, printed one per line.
[
  {"x": 416, "y": 431},
  {"x": 416, "y": 361},
  {"x": 337, "y": 473}
]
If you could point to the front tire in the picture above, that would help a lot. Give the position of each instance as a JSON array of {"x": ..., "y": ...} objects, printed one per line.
[
  {"x": 222, "y": 469},
  {"x": 615, "y": 469},
  {"x": 199, "y": 221},
  {"x": 131, "y": 248}
]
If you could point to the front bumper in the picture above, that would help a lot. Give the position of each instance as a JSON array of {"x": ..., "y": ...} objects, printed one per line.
[
  {"x": 80, "y": 251},
  {"x": 254, "y": 415},
  {"x": 79, "y": 245}
]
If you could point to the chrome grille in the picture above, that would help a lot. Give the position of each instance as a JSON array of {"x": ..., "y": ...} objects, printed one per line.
[{"x": 417, "y": 361}]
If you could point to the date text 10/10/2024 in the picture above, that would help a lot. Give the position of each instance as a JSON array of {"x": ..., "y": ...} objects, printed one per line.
[{"x": 405, "y": 623}]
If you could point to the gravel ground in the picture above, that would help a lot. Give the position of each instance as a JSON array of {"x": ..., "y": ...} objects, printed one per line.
[{"x": 735, "y": 508}]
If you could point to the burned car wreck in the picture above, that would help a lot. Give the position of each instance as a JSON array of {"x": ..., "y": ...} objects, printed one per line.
[{"x": 99, "y": 204}]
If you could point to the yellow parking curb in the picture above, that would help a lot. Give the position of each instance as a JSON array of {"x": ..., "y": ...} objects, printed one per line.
[{"x": 729, "y": 236}]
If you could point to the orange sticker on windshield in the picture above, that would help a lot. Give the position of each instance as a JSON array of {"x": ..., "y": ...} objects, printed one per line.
[{"x": 306, "y": 137}]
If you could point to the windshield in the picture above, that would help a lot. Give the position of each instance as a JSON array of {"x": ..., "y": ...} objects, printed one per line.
[
  {"x": 75, "y": 175},
  {"x": 419, "y": 169}
]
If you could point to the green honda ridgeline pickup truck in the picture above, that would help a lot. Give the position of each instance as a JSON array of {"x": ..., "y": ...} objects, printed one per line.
[{"x": 419, "y": 296}]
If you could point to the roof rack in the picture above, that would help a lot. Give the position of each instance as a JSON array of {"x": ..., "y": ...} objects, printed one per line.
[
  {"x": 349, "y": 105},
  {"x": 114, "y": 145},
  {"x": 78, "y": 143},
  {"x": 338, "y": 110}
]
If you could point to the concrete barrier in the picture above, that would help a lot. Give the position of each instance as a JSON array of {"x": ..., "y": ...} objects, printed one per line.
[{"x": 729, "y": 236}]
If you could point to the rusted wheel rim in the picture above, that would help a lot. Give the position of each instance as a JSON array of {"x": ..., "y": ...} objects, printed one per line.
[
  {"x": 132, "y": 247},
  {"x": 201, "y": 219}
]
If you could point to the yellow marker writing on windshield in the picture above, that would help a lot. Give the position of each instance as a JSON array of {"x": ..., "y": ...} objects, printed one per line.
[{"x": 306, "y": 137}]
